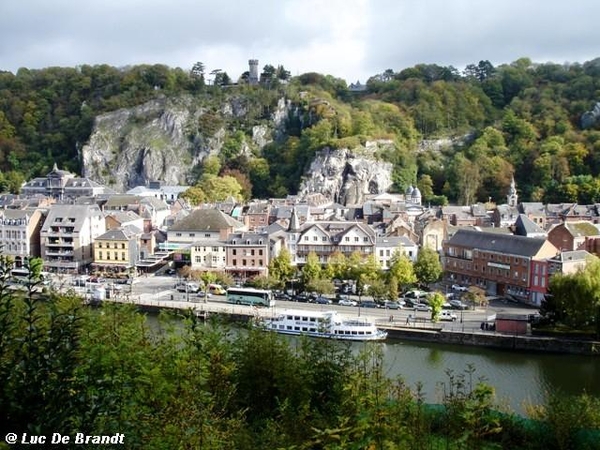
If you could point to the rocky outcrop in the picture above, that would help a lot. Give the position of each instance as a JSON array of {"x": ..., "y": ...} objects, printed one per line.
[
  {"x": 347, "y": 175},
  {"x": 166, "y": 138},
  {"x": 590, "y": 118}
]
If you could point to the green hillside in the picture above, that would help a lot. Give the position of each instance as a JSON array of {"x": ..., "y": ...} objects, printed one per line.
[{"x": 522, "y": 118}]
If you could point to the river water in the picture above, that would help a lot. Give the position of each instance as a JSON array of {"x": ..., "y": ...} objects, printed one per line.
[{"x": 518, "y": 377}]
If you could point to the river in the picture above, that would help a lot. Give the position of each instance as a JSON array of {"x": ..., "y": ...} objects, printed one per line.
[{"x": 517, "y": 377}]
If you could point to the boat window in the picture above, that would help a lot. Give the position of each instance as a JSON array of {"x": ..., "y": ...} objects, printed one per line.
[
  {"x": 353, "y": 332},
  {"x": 312, "y": 330},
  {"x": 296, "y": 317},
  {"x": 305, "y": 319},
  {"x": 312, "y": 319},
  {"x": 304, "y": 329},
  {"x": 297, "y": 328},
  {"x": 281, "y": 327},
  {"x": 361, "y": 332},
  {"x": 289, "y": 327},
  {"x": 290, "y": 317}
]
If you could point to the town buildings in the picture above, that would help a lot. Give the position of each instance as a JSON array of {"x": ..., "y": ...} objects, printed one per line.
[{"x": 508, "y": 250}]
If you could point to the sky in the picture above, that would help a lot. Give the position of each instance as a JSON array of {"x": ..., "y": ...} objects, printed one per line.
[{"x": 349, "y": 39}]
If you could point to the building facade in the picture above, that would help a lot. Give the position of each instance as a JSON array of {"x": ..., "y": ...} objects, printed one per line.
[
  {"x": 500, "y": 264},
  {"x": 67, "y": 237},
  {"x": 20, "y": 234}
]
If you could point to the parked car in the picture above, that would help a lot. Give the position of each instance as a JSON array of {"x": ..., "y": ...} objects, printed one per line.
[
  {"x": 347, "y": 302},
  {"x": 422, "y": 307},
  {"x": 281, "y": 296},
  {"x": 458, "y": 287},
  {"x": 369, "y": 304},
  {"x": 415, "y": 293},
  {"x": 322, "y": 301},
  {"x": 457, "y": 304},
  {"x": 391, "y": 305},
  {"x": 204, "y": 294},
  {"x": 301, "y": 298},
  {"x": 447, "y": 315},
  {"x": 410, "y": 302}
]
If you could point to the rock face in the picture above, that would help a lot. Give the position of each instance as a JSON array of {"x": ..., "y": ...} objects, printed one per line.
[
  {"x": 166, "y": 138},
  {"x": 590, "y": 118},
  {"x": 345, "y": 176}
]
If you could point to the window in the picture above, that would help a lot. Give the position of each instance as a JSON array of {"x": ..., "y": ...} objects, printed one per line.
[
  {"x": 315, "y": 238},
  {"x": 234, "y": 252},
  {"x": 380, "y": 252},
  {"x": 347, "y": 239},
  {"x": 234, "y": 262},
  {"x": 356, "y": 239},
  {"x": 198, "y": 259},
  {"x": 192, "y": 234},
  {"x": 260, "y": 252},
  {"x": 178, "y": 234},
  {"x": 243, "y": 262},
  {"x": 306, "y": 238},
  {"x": 99, "y": 255},
  {"x": 122, "y": 245},
  {"x": 122, "y": 256},
  {"x": 365, "y": 239},
  {"x": 324, "y": 239},
  {"x": 99, "y": 244},
  {"x": 252, "y": 252},
  {"x": 207, "y": 235}
]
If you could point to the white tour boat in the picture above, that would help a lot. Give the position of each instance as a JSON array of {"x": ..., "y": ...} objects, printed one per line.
[{"x": 325, "y": 324}]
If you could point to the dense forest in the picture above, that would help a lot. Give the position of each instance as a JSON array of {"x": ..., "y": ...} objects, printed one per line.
[
  {"x": 533, "y": 121},
  {"x": 66, "y": 368}
]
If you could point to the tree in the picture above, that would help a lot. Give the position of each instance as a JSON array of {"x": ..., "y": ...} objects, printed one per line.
[
  {"x": 428, "y": 268},
  {"x": 436, "y": 301},
  {"x": 312, "y": 269},
  {"x": 281, "y": 267},
  {"x": 337, "y": 266},
  {"x": 574, "y": 299},
  {"x": 401, "y": 268},
  {"x": 197, "y": 75},
  {"x": 321, "y": 286}
]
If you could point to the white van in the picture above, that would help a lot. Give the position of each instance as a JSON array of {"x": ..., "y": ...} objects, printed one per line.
[{"x": 447, "y": 315}]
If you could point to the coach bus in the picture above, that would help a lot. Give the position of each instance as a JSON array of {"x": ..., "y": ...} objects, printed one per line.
[
  {"x": 250, "y": 296},
  {"x": 21, "y": 275}
]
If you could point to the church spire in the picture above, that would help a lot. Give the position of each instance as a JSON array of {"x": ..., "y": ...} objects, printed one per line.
[{"x": 294, "y": 221}]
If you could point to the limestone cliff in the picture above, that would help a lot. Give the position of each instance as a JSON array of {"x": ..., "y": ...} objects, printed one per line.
[
  {"x": 346, "y": 175},
  {"x": 166, "y": 138}
]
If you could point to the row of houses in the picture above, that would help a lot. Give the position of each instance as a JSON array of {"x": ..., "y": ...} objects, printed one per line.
[{"x": 119, "y": 233}]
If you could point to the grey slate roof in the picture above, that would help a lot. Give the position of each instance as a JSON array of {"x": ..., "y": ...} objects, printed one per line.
[
  {"x": 498, "y": 243},
  {"x": 206, "y": 220},
  {"x": 524, "y": 226}
]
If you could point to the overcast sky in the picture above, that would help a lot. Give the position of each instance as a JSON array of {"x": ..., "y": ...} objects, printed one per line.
[{"x": 350, "y": 39}]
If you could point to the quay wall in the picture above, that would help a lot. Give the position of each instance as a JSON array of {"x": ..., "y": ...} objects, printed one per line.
[{"x": 497, "y": 340}]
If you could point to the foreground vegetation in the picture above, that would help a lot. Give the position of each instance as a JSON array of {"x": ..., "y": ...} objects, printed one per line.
[{"x": 66, "y": 368}]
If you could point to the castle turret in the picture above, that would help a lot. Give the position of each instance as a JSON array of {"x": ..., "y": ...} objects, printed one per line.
[{"x": 253, "y": 77}]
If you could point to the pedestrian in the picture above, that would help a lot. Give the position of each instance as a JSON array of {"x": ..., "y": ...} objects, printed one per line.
[
  {"x": 391, "y": 318},
  {"x": 482, "y": 326}
]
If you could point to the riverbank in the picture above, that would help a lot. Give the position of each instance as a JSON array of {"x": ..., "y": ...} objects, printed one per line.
[{"x": 426, "y": 332}]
